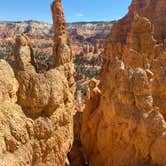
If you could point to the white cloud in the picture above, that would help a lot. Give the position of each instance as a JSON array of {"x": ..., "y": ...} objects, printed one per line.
[{"x": 79, "y": 15}]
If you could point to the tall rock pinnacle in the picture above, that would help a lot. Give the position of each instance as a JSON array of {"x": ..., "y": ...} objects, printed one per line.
[
  {"x": 61, "y": 51},
  {"x": 58, "y": 18}
]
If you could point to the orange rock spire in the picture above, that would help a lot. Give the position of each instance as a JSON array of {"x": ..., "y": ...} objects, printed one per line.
[
  {"x": 61, "y": 50},
  {"x": 59, "y": 22}
]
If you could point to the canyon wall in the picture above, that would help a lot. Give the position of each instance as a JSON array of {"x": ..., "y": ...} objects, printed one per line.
[
  {"x": 123, "y": 121},
  {"x": 41, "y": 34},
  {"x": 36, "y": 109}
]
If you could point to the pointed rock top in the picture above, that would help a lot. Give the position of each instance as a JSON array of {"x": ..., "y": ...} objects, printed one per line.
[{"x": 59, "y": 22}]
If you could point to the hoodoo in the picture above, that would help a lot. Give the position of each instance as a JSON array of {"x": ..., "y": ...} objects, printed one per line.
[
  {"x": 61, "y": 51},
  {"x": 36, "y": 114},
  {"x": 122, "y": 119},
  {"x": 126, "y": 126}
]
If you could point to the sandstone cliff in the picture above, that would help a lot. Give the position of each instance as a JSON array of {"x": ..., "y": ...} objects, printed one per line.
[
  {"x": 36, "y": 109},
  {"x": 123, "y": 124}
]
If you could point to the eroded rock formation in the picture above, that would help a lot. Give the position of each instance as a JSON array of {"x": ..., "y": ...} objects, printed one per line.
[
  {"x": 124, "y": 124},
  {"x": 61, "y": 50},
  {"x": 155, "y": 11},
  {"x": 36, "y": 109}
]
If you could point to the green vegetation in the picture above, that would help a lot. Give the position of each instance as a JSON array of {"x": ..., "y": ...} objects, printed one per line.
[
  {"x": 6, "y": 53},
  {"x": 45, "y": 45},
  {"x": 86, "y": 68}
]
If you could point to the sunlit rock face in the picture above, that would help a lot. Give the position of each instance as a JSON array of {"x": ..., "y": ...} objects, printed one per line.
[
  {"x": 62, "y": 52},
  {"x": 8, "y": 83},
  {"x": 36, "y": 109},
  {"x": 123, "y": 123},
  {"x": 155, "y": 11}
]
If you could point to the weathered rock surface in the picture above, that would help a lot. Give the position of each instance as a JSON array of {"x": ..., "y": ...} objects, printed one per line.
[
  {"x": 155, "y": 11},
  {"x": 61, "y": 50},
  {"x": 123, "y": 124},
  {"x": 8, "y": 83},
  {"x": 36, "y": 110}
]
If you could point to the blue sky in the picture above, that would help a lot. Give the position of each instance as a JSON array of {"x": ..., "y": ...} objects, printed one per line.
[{"x": 75, "y": 10}]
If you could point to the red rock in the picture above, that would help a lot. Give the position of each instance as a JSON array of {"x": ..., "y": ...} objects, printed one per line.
[{"x": 125, "y": 125}]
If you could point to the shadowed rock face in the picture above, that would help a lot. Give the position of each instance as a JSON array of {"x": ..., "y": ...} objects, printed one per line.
[
  {"x": 36, "y": 110},
  {"x": 124, "y": 124}
]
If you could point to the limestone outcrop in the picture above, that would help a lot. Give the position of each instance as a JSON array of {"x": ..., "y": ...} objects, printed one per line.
[
  {"x": 123, "y": 123},
  {"x": 36, "y": 109}
]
